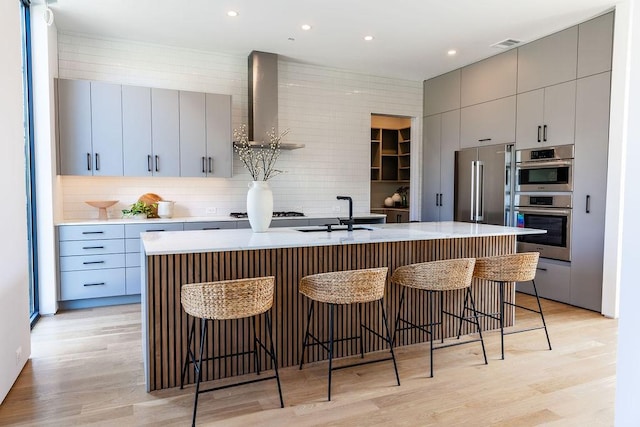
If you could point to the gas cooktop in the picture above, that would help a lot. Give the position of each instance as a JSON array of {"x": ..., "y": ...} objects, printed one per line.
[{"x": 275, "y": 214}]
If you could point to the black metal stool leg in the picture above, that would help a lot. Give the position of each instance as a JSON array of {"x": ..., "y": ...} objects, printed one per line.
[
  {"x": 502, "y": 318},
  {"x": 395, "y": 327},
  {"x": 386, "y": 328},
  {"x": 464, "y": 312},
  {"x": 256, "y": 359},
  {"x": 190, "y": 333},
  {"x": 441, "y": 317},
  {"x": 274, "y": 359},
  {"x": 477, "y": 322},
  {"x": 306, "y": 333},
  {"x": 331, "y": 319},
  {"x": 430, "y": 329},
  {"x": 360, "y": 338},
  {"x": 541, "y": 315},
  {"x": 203, "y": 334}
]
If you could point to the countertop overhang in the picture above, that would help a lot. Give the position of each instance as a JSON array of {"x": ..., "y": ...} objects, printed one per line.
[{"x": 178, "y": 242}]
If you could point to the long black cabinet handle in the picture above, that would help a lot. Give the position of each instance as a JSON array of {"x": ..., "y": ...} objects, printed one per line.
[
  {"x": 88, "y": 161},
  {"x": 97, "y": 161},
  {"x": 92, "y": 262},
  {"x": 484, "y": 140},
  {"x": 440, "y": 199},
  {"x": 588, "y": 204},
  {"x": 210, "y": 165},
  {"x": 94, "y": 284},
  {"x": 149, "y": 163},
  {"x": 539, "y": 129},
  {"x": 157, "y": 163},
  {"x": 203, "y": 171},
  {"x": 151, "y": 231},
  {"x": 437, "y": 199},
  {"x": 211, "y": 228},
  {"x": 93, "y": 232},
  {"x": 544, "y": 133},
  {"x": 541, "y": 269},
  {"x": 93, "y": 247}
]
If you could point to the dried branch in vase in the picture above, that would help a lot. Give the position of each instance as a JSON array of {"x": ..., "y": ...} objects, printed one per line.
[{"x": 260, "y": 161}]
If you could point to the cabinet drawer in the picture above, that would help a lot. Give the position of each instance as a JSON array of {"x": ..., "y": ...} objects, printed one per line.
[
  {"x": 133, "y": 281},
  {"x": 91, "y": 247},
  {"x": 90, "y": 232},
  {"x": 92, "y": 284},
  {"x": 490, "y": 123},
  {"x": 209, "y": 225},
  {"x": 131, "y": 245},
  {"x": 132, "y": 231},
  {"x": 132, "y": 259},
  {"x": 289, "y": 223},
  {"x": 91, "y": 262},
  {"x": 243, "y": 224},
  {"x": 553, "y": 281}
]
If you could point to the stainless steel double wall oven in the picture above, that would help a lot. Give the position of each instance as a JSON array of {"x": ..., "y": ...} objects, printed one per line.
[{"x": 544, "y": 199}]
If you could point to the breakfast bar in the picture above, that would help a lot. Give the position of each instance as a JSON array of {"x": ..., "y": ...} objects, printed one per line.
[{"x": 171, "y": 259}]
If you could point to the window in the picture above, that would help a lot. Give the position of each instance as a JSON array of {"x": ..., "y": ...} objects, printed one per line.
[{"x": 30, "y": 166}]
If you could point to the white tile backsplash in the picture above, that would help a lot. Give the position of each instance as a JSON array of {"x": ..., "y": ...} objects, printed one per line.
[{"x": 326, "y": 109}]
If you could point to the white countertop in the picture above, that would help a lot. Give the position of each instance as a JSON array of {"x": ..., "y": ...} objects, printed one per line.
[
  {"x": 175, "y": 242},
  {"x": 201, "y": 219}
]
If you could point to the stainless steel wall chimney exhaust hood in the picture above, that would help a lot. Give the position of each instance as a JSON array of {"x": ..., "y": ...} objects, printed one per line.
[{"x": 263, "y": 98}]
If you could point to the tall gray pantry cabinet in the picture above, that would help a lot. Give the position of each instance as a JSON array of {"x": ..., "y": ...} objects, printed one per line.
[{"x": 552, "y": 91}]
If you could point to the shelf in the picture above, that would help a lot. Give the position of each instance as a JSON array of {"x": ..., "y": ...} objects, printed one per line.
[{"x": 390, "y": 155}]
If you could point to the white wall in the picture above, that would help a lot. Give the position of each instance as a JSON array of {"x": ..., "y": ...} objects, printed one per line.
[
  {"x": 14, "y": 282},
  {"x": 628, "y": 369},
  {"x": 328, "y": 110}
]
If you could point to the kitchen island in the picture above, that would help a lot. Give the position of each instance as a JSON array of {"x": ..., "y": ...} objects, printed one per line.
[{"x": 171, "y": 259}]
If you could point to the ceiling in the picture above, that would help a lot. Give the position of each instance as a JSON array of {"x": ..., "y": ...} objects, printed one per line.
[{"x": 411, "y": 37}]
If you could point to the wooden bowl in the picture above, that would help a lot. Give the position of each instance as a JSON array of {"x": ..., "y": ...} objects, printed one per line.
[{"x": 102, "y": 206}]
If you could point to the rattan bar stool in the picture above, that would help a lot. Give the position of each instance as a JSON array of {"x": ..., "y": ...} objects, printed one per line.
[
  {"x": 227, "y": 300},
  {"x": 511, "y": 268},
  {"x": 346, "y": 287},
  {"x": 438, "y": 277}
]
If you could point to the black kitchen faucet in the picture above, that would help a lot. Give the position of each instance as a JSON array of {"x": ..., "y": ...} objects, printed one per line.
[{"x": 347, "y": 222}]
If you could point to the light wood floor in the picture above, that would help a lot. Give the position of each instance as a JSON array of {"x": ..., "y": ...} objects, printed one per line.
[{"x": 86, "y": 369}]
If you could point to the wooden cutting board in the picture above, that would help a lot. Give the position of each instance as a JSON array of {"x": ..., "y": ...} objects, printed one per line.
[{"x": 149, "y": 199}]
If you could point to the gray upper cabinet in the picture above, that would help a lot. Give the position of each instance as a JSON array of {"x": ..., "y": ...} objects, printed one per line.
[
  {"x": 136, "y": 131},
  {"x": 192, "y": 134},
  {"x": 442, "y": 93},
  {"x": 75, "y": 154},
  {"x": 546, "y": 117},
  {"x": 548, "y": 61},
  {"x": 165, "y": 132},
  {"x": 590, "y": 189},
  {"x": 595, "y": 44},
  {"x": 219, "y": 153},
  {"x": 106, "y": 128},
  {"x": 490, "y": 79},
  {"x": 489, "y": 123}
]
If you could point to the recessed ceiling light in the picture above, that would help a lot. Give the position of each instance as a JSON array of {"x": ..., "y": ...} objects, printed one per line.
[
  {"x": 368, "y": 38},
  {"x": 452, "y": 52},
  {"x": 232, "y": 13},
  {"x": 305, "y": 27}
]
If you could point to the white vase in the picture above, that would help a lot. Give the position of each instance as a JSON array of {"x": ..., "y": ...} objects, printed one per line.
[{"x": 259, "y": 206}]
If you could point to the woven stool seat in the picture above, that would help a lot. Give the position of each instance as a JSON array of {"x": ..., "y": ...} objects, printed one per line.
[
  {"x": 223, "y": 301},
  {"x": 504, "y": 269},
  {"x": 345, "y": 287},
  {"x": 340, "y": 288},
  {"x": 445, "y": 275},
  {"x": 507, "y": 268},
  {"x": 436, "y": 278},
  {"x": 228, "y": 299}
]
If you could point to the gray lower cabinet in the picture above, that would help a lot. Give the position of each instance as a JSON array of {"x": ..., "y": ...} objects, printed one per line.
[
  {"x": 210, "y": 225},
  {"x": 91, "y": 262},
  {"x": 553, "y": 280},
  {"x": 548, "y": 61},
  {"x": 489, "y": 123},
  {"x": 136, "y": 131},
  {"x": 441, "y": 140},
  {"x": 590, "y": 189}
]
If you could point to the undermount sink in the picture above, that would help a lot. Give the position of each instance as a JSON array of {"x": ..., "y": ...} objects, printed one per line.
[{"x": 333, "y": 228}]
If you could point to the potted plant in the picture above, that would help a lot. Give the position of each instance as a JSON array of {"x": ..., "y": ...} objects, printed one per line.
[{"x": 139, "y": 210}]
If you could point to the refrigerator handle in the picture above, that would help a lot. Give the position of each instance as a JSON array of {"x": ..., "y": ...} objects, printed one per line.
[
  {"x": 473, "y": 191},
  {"x": 480, "y": 191}
]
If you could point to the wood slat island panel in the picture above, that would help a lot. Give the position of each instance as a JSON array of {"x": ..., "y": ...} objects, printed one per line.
[{"x": 166, "y": 322}]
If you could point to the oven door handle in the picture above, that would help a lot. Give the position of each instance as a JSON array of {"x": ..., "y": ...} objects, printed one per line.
[
  {"x": 543, "y": 164},
  {"x": 551, "y": 211}
]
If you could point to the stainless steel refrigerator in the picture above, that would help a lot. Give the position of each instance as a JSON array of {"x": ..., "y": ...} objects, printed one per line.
[{"x": 484, "y": 184}]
